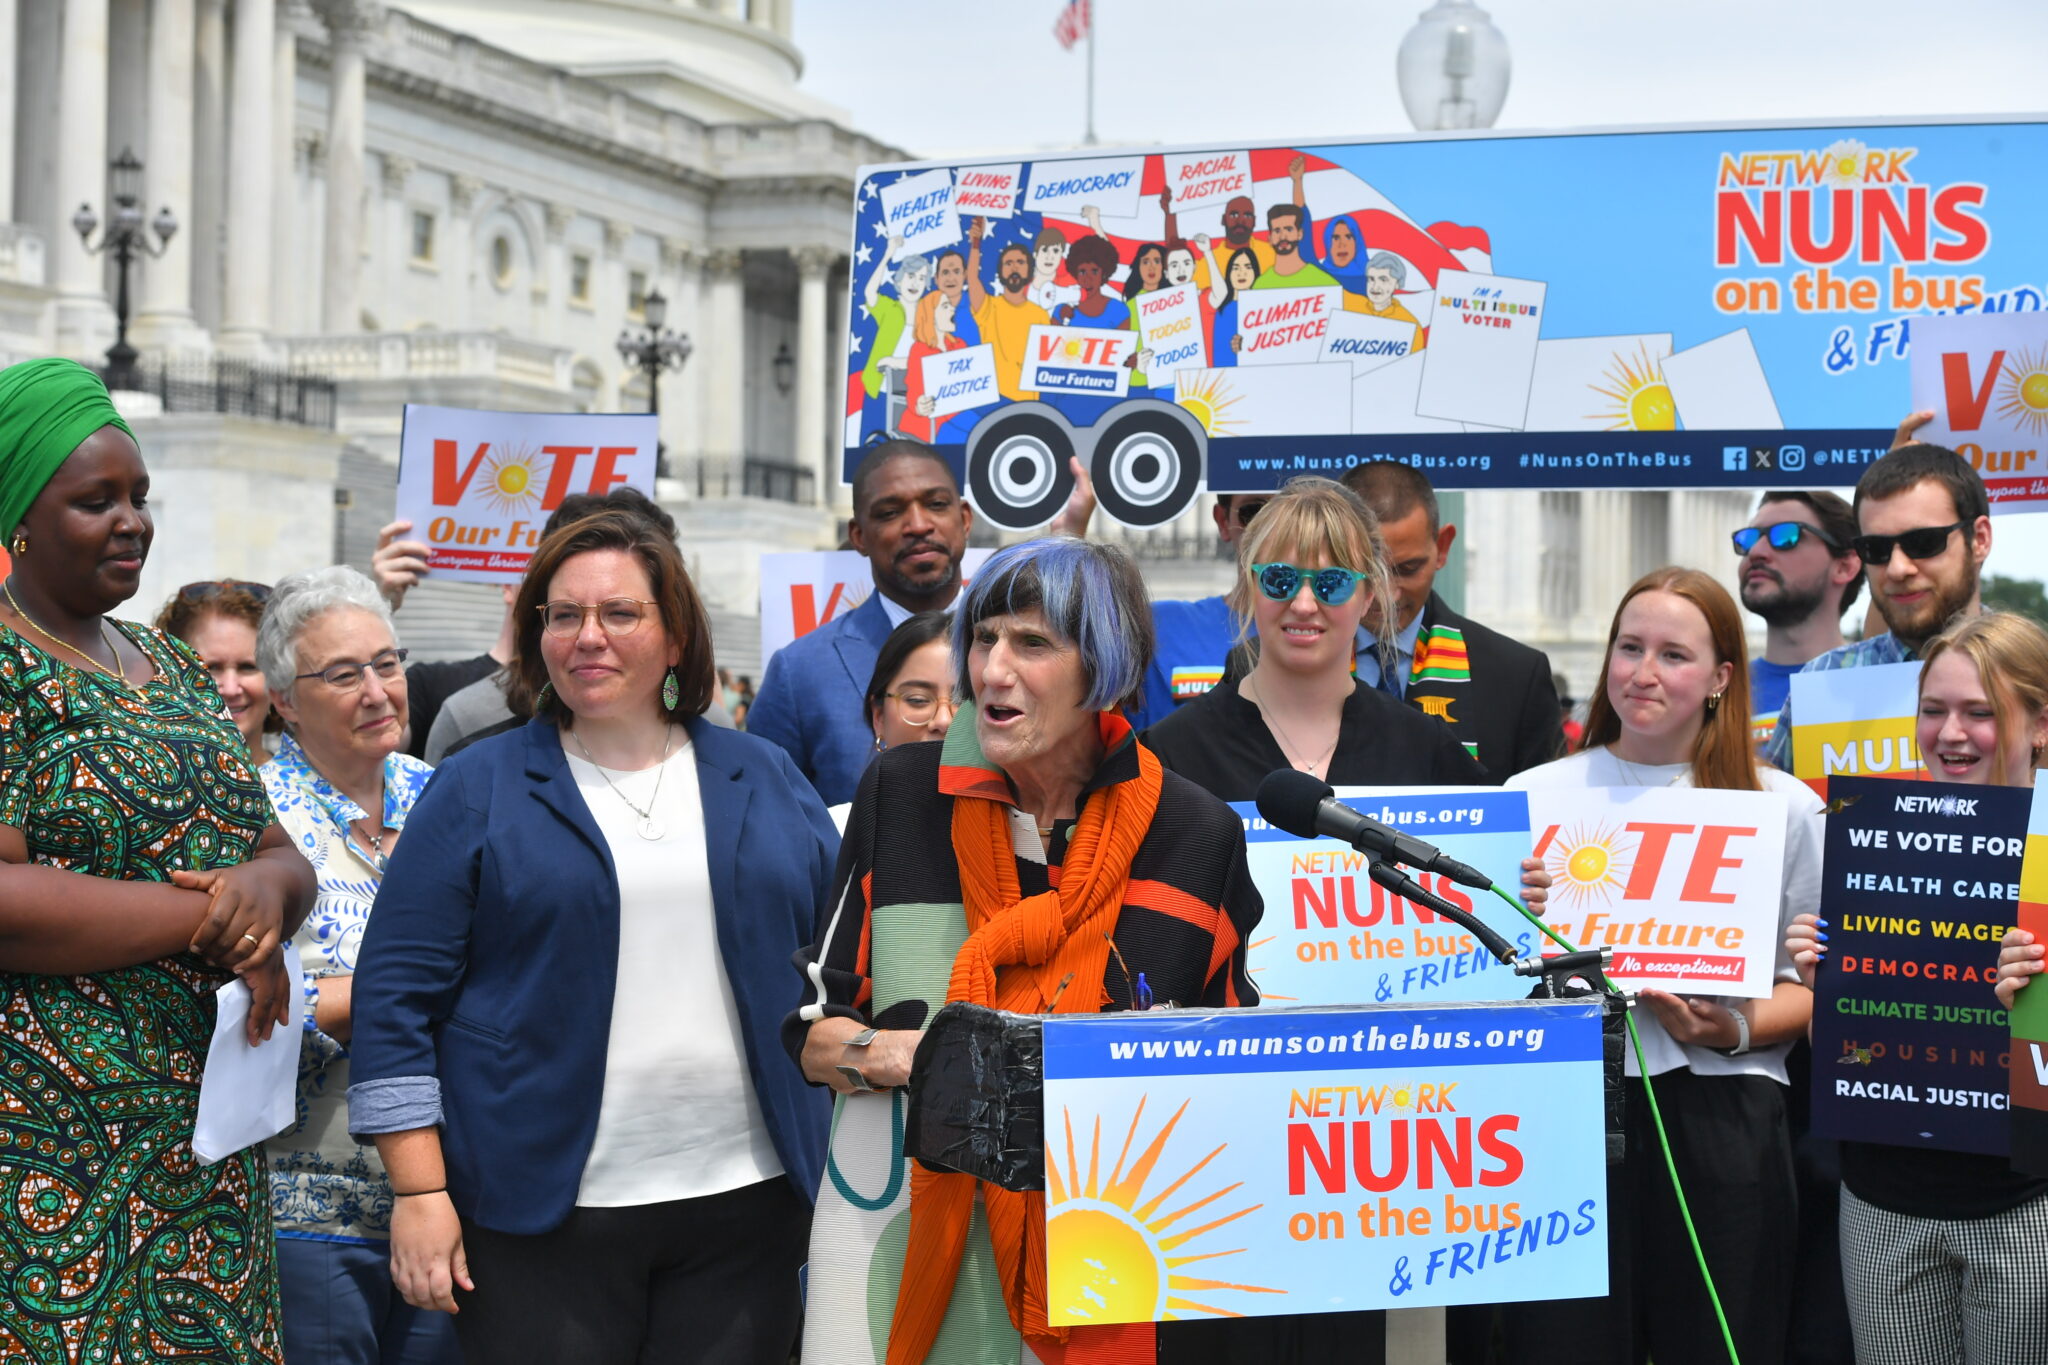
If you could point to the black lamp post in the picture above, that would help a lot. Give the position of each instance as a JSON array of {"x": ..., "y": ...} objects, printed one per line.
[
  {"x": 652, "y": 351},
  {"x": 127, "y": 241}
]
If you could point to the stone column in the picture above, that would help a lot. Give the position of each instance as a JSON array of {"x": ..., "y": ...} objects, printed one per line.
[
  {"x": 84, "y": 322},
  {"x": 289, "y": 314},
  {"x": 835, "y": 492},
  {"x": 245, "y": 312},
  {"x": 555, "y": 267},
  {"x": 348, "y": 26},
  {"x": 202, "y": 232},
  {"x": 723, "y": 347},
  {"x": 165, "y": 318},
  {"x": 395, "y": 171},
  {"x": 7, "y": 101},
  {"x": 460, "y": 243},
  {"x": 683, "y": 414},
  {"x": 812, "y": 264}
]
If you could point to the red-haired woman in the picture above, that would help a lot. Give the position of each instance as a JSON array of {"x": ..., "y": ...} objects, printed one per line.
[{"x": 1672, "y": 711}]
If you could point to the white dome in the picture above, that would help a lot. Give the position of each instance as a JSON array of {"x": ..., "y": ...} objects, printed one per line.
[{"x": 703, "y": 59}]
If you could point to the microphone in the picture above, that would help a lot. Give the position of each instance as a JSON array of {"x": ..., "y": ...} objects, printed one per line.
[
  {"x": 1298, "y": 804},
  {"x": 1408, "y": 889}
]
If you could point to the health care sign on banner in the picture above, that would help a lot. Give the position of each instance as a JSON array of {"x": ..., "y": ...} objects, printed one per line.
[
  {"x": 1710, "y": 307},
  {"x": 1203, "y": 1164},
  {"x": 801, "y": 591},
  {"x": 478, "y": 486},
  {"x": 1856, "y": 722},
  {"x": 1920, "y": 882},
  {"x": 1682, "y": 883}
]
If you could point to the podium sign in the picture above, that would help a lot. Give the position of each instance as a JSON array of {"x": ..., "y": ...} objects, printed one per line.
[{"x": 1214, "y": 1163}]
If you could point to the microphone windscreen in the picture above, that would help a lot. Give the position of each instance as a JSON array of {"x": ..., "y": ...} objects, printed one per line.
[{"x": 1288, "y": 799}]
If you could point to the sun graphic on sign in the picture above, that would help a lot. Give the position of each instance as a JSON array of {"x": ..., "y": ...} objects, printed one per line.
[
  {"x": 511, "y": 479},
  {"x": 2022, "y": 395},
  {"x": 1265, "y": 994},
  {"x": 1638, "y": 398},
  {"x": 1589, "y": 865},
  {"x": 1842, "y": 163},
  {"x": 1211, "y": 400},
  {"x": 1109, "y": 1251}
]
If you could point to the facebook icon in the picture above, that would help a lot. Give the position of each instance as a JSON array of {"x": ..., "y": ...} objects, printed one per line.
[{"x": 1735, "y": 459}]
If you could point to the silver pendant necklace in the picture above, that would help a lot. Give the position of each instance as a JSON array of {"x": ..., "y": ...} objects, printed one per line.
[{"x": 649, "y": 828}]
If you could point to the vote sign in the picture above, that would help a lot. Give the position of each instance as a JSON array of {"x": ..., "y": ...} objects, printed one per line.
[{"x": 1079, "y": 361}]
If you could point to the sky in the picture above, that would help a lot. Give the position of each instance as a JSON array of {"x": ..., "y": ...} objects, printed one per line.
[{"x": 913, "y": 72}]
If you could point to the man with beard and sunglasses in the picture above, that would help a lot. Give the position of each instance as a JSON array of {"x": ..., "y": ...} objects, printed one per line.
[
  {"x": 1799, "y": 572},
  {"x": 1925, "y": 532}
]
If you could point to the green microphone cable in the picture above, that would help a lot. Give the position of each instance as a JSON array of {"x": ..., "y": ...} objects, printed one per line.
[{"x": 1628, "y": 1018}]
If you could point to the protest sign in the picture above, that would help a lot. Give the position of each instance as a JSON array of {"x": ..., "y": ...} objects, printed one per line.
[
  {"x": 1066, "y": 187},
  {"x": 1285, "y": 326},
  {"x": 1592, "y": 383},
  {"x": 1170, "y": 327},
  {"x": 478, "y": 486},
  {"x": 803, "y": 590},
  {"x": 2029, "y": 1015},
  {"x": 1985, "y": 378},
  {"x": 919, "y": 209},
  {"x": 958, "y": 380},
  {"x": 1919, "y": 884},
  {"x": 987, "y": 191},
  {"x": 1206, "y": 179},
  {"x": 1367, "y": 342},
  {"x": 1314, "y": 397},
  {"x": 1332, "y": 936},
  {"x": 1682, "y": 882},
  {"x": 1482, "y": 349},
  {"x": 1721, "y": 385},
  {"x": 1856, "y": 722},
  {"x": 1342, "y": 1160},
  {"x": 1078, "y": 360}
]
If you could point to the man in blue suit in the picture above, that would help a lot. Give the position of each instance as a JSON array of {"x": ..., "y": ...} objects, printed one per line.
[{"x": 911, "y": 523}]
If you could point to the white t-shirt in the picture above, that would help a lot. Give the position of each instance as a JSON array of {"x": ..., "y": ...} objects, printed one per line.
[
  {"x": 679, "y": 1118},
  {"x": 1803, "y": 831}
]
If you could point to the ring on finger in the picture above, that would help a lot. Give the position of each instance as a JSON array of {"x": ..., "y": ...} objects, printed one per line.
[{"x": 252, "y": 940}]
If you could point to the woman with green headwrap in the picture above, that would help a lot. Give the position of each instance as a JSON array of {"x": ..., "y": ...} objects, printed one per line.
[{"x": 140, "y": 867}]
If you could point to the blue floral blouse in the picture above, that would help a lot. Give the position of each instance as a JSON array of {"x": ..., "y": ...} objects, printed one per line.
[{"x": 323, "y": 1184}]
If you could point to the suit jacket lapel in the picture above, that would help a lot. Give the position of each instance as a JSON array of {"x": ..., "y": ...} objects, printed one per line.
[
  {"x": 555, "y": 787},
  {"x": 858, "y": 646},
  {"x": 724, "y": 799}
]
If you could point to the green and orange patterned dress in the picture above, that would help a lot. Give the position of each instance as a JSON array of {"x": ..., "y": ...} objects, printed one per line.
[{"x": 115, "y": 1244}]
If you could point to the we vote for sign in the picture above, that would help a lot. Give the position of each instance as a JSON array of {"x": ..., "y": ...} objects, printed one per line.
[
  {"x": 1919, "y": 884},
  {"x": 478, "y": 486},
  {"x": 1339, "y": 1159}
]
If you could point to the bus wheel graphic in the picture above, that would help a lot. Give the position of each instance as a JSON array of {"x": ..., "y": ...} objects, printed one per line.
[
  {"x": 1017, "y": 474},
  {"x": 1147, "y": 465}
]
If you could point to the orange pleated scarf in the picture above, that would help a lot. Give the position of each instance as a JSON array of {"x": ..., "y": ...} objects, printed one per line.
[{"x": 1018, "y": 951}]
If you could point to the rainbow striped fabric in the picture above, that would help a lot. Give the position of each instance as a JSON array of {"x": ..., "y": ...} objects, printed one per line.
[{"x": 1440, "y": 656}]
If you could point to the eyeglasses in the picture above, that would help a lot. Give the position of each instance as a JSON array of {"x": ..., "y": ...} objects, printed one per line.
[
  {"x": 919, "y": 708},
  {"x": 1282, "y": 582},
  {"x": 1243, "y": 512},
  {"x": 1783, "y": 535},
  {"x": 1922, "y": 542},
  {"x": 199, "y": 592},
  {"x": 617, "y": 615},
  {"x": 388, "y": 666}
]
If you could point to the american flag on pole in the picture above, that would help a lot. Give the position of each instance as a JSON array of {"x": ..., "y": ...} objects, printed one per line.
[{"x": 1073, "y": 24}]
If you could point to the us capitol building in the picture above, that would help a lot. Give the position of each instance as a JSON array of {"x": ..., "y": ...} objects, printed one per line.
[{"x": 464, "y": 202}]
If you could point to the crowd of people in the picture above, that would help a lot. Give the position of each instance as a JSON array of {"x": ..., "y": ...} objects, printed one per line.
[{"x": 609, "y": 1007}]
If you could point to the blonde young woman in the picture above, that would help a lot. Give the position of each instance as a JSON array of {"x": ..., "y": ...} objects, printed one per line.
[
  {"x": 1945, "y": 1254},
  {"x": 1672, "y": 710}
]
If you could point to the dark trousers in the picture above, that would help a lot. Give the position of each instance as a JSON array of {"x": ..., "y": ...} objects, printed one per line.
[
  {"x": 1290, "y": 1339},
  {"x": 1734, "y": 1156},
  {"x": 340, "y": 1308},
  {"x": 710, "y": 1281},
  {"x": 1820, "y": 1326}
]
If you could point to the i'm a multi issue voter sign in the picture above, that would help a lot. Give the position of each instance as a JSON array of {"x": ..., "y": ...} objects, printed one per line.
[
  {"x": 478, "y": 486},
  {"x": 1206, "y": 1163}
]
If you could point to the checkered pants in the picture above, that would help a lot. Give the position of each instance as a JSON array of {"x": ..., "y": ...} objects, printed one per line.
[{"x": 1946, "y": 1291}]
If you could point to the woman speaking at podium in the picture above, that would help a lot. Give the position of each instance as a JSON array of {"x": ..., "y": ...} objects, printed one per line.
[
  {"x": 1041, "y": 860},
  {"x": 1672, "y": 710}
]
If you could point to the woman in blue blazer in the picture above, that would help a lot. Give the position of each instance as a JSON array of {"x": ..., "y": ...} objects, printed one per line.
[{"x": 568, "y": 1000}]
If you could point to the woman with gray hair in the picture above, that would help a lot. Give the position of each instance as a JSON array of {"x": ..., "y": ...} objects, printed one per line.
[
  {"x": 1075, "y": 875},
  {"x": 341, "y": 787}
]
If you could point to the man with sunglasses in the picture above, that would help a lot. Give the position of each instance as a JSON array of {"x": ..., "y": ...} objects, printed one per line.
[
  {"x": 1498, "y": 695},
  {"x": 1193, "y": 638},
  {"x": 1925, "y": 532},
  {"x": 1799, "y": 573}
]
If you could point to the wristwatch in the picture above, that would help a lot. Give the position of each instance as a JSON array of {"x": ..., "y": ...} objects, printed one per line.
[
  {"x": 1741, "y": 1034},
  {"x": 854, "y": 1076}
]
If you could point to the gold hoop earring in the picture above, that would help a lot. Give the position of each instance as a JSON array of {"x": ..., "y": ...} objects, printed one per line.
[
  {"x": 20, "y": 545},
  {"x": 1713, "y": 702}
]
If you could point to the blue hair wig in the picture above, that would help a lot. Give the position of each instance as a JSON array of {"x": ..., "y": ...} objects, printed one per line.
[{"x": 1091, "y": 596}]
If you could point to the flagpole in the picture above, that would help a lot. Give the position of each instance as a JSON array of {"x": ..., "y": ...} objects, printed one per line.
[{"x": 1090, "y": 139}]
